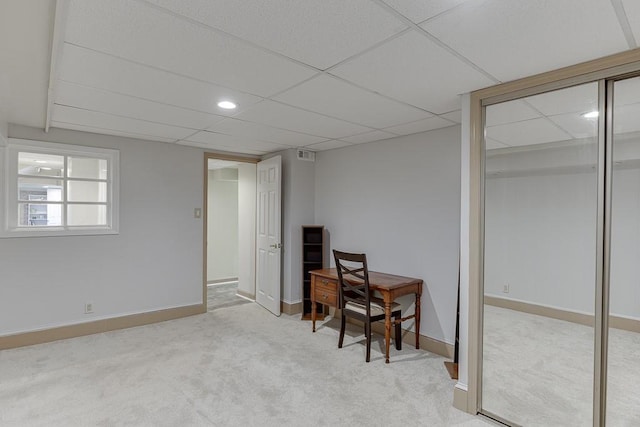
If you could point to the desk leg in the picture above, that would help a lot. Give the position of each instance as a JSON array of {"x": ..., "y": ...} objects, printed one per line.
[
  {"x": 417, "y": 328},
  {"x": 313, "y": 315},
  {"x": 387, "y": 328}
]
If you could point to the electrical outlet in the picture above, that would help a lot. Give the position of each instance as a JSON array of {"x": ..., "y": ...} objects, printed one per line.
[
  {"x": 197, "y": 212},
  {"x": 505, "y": 289},
  {"x": 88, "y": 308}
]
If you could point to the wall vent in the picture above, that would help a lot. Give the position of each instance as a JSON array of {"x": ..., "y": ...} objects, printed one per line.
[{"x": 309, "y": 156}]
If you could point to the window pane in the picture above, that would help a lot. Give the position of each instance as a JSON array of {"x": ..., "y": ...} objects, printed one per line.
[
  {"x": 84, "y": 167},
  {"x": 86, "y": 191},
  {"x": 40, "y": 164},
  {"x": 86, "y": 215},
  {"x": 32, "y": 214},
  {"x": 40, "y": 189}
]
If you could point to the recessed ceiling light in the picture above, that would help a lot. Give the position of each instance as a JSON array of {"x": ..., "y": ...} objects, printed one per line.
[
  {"x": 227, "y": 105},
  {"x": 591, "y": 115},
  {"x": 41, "y": 161}
]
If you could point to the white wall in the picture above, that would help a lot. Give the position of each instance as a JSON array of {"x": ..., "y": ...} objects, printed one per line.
[
  {"x": 399, "y": 201},
  {"x": 154, "y": 263},
  {"x": 222, "y": 224},
  {"x": 4, "y": 110},
  {"x": 540, "y": 228},
  {"x": 4, "y": 129},
  {"x": 299, "y": 211},
  {"x": 625, "y": 243},
  {"x": 247, "y": 228}
]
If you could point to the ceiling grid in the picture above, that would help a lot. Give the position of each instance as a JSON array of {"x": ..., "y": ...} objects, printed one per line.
[{"x": 319, "y": 74}]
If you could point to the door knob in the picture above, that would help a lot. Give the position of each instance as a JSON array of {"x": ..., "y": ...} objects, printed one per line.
[{"x": 276, "y": 246}]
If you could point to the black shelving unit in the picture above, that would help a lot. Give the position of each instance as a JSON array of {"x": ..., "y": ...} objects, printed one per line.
[{"x": 312, "y": 259}]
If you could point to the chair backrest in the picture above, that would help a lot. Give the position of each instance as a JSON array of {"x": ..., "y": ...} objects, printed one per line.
[{"x": 353, "y": 278}]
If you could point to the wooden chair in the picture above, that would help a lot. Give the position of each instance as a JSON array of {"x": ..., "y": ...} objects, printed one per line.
[{"x": 356, "y": 300}]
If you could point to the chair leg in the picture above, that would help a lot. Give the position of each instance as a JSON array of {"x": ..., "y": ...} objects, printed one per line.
[
  {"x": 342, "y": 327},
  {"x": 396, "y": 319},
  {"x": 367, "y": 328}
]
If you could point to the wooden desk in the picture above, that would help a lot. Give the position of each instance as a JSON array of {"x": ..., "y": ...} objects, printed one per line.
[{"x": 324, "y": 290}]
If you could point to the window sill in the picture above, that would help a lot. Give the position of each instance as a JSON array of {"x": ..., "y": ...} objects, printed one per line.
[{"x": 58, "y": 232}]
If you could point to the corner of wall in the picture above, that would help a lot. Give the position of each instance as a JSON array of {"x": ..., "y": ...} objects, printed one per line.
[
  {"x": 297, "y": 209},
  {"x": 4, "y": 131},
  {"x": 465, "y": 188},
  {"x": 460, "y": 398},
  {"x": 4, "y": 111}
]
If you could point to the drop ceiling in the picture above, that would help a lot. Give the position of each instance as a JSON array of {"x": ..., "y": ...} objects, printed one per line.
[{"x": 318, "y": 74}]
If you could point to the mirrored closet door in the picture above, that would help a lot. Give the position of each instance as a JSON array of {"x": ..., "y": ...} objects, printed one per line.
[
  {"x": 561, "y": 257},
  {"x": 623, "y": 356},
  {"x": 540, "y": 222}
]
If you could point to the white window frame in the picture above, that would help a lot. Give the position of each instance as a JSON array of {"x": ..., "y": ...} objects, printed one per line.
[{"x": 9, "y": 188}]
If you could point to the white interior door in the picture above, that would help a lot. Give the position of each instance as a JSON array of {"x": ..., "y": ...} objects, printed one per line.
[{"x": 268, "y": 248}]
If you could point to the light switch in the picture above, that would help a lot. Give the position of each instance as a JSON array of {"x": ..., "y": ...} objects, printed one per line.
[{"x": 197, "y": 213}]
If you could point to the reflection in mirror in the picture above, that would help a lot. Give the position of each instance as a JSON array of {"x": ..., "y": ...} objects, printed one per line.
[
  {"x": 84, "y": 167},
  {"x": 623, "y": 398},
  {"x": 86, "y": 215},
  {"x": 539, "y": 258},
  {"x": 38, "y": 164},
  {"x": 34, "y": 190},
  {"x": 37, "y": 183}
]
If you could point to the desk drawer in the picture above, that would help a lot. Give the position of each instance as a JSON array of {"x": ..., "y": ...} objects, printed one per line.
[{"x": 326, "y": 292}]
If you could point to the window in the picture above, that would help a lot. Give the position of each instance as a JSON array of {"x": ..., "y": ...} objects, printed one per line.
[{"x": 57, "y": 189}]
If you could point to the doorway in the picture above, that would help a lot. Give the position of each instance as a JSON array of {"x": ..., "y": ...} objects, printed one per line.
[
  {"x": 230, "y": 234},
  {"x": 559, "y": 306}
]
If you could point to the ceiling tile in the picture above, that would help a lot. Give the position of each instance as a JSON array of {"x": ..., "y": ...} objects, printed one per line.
[
  {"x": 94, "y": 119},
  {"x": 147, "y": 35},
  {"x": 113, "y": 132},
  {"x": 577, "y": 99},
  {"x": 509, "y": 112},
  {"x": 632, "y": 10},
  {"x": 328, "y": 145},
  {"x": 25, "y": 47},
  {"x": 235, "y": 143},
  {"x": 282, "y": 116},
  {"x": 215, "y": 164},
  {"x": 627, "y": 91},
  {"x": 334, "y": 97},
  {"x": 492, "y": 144},
  {"x": 454, "y": 116},
  {"x": 223, "y": 148},
  {"x": 420, "y": 10},
  {"x": 376, "y": 135},
  {"x": 88, "y": 98},
  {"x": 262, "y": 132},
  {"x": 536, "y": 131},
  {"x": 513, "y": 39},
  {"x": 626, "y": 119},
  {"x": 413, "y": 69},
  {"x": 320, "y": 33},
  {"x": 576, "y": 125},
  {"x": 90, "y": 68},
  {"x": 420, "y": 126}
]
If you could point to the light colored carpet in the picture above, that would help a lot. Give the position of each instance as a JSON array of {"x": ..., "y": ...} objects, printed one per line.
[
  {"x": 538, "y": 371},
  {"x": 236, "y": 366},
  {"x": 223, "y": 295}
]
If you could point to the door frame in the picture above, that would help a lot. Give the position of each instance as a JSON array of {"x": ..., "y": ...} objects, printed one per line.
[
  {"x": 467, "y": 395},
  {"x": 205, "y": 198}
]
